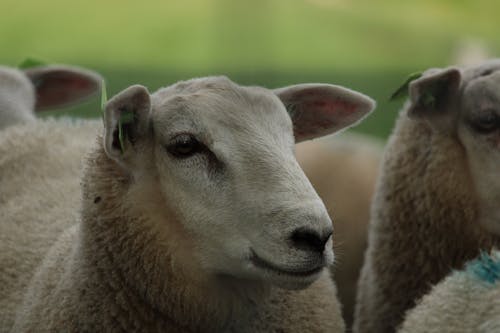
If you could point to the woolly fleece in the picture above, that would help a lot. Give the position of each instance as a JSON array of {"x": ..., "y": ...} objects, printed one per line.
[{"x": 466, "y": 301}]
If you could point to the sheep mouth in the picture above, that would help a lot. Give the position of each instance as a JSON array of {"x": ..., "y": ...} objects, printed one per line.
[{"x": 261, "y": 263}]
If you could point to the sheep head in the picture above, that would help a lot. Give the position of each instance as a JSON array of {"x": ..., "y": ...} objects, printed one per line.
[
  {"x": 223, "y": 157},
  {"x": 465, "y": 104}
]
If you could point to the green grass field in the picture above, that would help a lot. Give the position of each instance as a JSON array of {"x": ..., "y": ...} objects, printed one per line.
[{"x": 366, "y": 45}]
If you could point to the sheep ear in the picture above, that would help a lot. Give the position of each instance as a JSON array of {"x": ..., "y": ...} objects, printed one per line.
[
  {"x": 321, "y": 109},
  {"x": 126, "y": 118},
  {"x": 58, "y": 86},
  {"x": 431, "y": 94}
]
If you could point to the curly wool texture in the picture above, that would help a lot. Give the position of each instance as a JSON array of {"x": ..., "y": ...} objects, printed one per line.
[
  {"x": 466, "y": 301},
  {"x": 424, "y": 224}
]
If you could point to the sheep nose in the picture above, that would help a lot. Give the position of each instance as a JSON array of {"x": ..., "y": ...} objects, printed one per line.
[{"x": 310, "y": 240}]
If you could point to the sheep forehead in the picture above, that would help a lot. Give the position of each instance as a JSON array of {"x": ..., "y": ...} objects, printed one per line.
[
  {"x": 218, "y": 102},
  {"x": 482, "y": 87}
]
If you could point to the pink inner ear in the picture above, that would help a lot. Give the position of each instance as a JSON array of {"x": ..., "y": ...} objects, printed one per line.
[
  {"x": 59, "y": 89},
  {"x": 322, "y": 116},
  {"x": 333, "y": 107}
]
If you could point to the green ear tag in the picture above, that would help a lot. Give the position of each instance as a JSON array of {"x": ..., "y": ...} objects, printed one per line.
[
  {"x": 402, "y": 91},
  {"x": 30, "y": 63},
  {"x": 126, "y": 117},
  {"x": 428, "y": 99}
]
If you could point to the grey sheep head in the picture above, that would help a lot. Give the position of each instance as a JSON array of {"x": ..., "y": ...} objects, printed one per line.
[{"x": 465, "y": 103}]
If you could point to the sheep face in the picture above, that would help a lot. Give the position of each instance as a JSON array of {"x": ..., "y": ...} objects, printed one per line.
[
  {"x": 479, "y": 130},
  {"x": 224, "y": 159},
  {"x": 465, "y": 104}
]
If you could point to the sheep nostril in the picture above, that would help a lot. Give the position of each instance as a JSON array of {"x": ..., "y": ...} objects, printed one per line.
[{"x": 310, "y": 240}]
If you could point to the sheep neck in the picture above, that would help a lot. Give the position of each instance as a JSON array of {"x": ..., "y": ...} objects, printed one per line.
[{"x": 147, "y": 255}]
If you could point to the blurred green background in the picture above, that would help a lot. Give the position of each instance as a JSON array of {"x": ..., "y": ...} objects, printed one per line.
[{"x": 367, "y": 45}]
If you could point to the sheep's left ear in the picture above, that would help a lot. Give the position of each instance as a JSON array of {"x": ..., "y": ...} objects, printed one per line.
[
  {"x": 431, "y": 94},
  {"x": 59, "y": 85},
  {"x": 126, "y": 119},
  {"x": 321, "y": 109}
]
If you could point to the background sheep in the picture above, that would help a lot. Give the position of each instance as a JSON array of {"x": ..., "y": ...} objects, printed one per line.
[
  {"x": 466, "y": 301},
  {"x": 37, "y": 158},
  {"x": 132, "y": 249},
  {"x": 39, "y": 88},
  {"x": 40, "y": 168},
  {"x": 343, "y": 169},
  {"x": 437, "y": 199}
]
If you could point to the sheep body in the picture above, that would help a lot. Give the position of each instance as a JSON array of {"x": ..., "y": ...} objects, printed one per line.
[
  {"x": 466, "y": 301},
  {"x": 40, "y": 163},
  {"x": 429, "y": 215},
  {"x": 117, "y": 266}
]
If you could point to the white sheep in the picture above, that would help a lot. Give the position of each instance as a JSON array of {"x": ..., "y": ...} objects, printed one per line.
[
  {"x": 466, "y": 301},
  {"x": 343, "y": 169},
  {"x": 347, "y": 191},
  {"x": 195, "y": 216},
  {"x": 436, "y": 202},
  {"x": 39, "y": 88}
]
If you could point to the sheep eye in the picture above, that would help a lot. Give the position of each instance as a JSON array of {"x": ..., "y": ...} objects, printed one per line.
[
  {"x": 486, "y": 122},
  {"x": 184, "y": 146}
]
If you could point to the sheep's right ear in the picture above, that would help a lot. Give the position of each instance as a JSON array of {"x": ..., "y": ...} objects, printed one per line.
[
  {"x": 60, "y": 85},
  {"x": 432, "y": 95},
  {"x": 126, "y": 118}
]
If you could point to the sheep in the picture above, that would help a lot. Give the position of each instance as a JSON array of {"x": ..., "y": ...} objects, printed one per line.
[
  {"x": 466, "y": 301},
  {"x": 26, "y": 153},
  {"x": 343, "y": 169},
  {"x": 40, "y": 164},
  {"x": 40, "y": 88},
  {"x": 342, "y": 154},
  {"x": 194, "y": 216},
  {"x": 355, "y": 160},
  {"x": 436, "y": 201}
]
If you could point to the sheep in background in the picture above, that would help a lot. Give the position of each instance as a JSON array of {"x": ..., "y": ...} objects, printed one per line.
[
  {"x": 343, "y": 169},
  {"x": 466, "y": 301},
  {"x": 39, "y": 88},
  {"x": 436, "y": 202},
  {"x": 40, "y": 171},
  {"x": 195, "y": 215}
]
